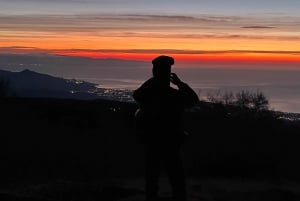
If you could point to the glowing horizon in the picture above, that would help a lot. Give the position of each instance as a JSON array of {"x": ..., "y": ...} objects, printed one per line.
[
  {"x": 269, "y": 32},
  {"x": 180, "y": 55},
  {"x": 220, "y": 57}
]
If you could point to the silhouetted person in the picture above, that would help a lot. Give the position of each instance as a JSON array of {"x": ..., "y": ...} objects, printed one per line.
[{"x": 159, "y": 120}]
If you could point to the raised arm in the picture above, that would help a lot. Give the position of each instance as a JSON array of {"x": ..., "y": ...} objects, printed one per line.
[{"x": 189, "y": 95}]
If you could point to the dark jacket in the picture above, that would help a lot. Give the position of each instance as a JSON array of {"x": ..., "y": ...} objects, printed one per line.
[{"x": 161, "y": 109}]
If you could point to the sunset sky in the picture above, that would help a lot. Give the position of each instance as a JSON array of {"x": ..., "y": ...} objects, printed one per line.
[{"x": 190, "y": 30}]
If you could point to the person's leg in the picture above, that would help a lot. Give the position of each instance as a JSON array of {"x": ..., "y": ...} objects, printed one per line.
[
  {"x": 176, "y": 174},
  {"x": 152, "y": 173}
]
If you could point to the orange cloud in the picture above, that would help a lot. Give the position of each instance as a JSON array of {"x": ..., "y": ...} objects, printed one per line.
[{"x": 141, "y": 37}]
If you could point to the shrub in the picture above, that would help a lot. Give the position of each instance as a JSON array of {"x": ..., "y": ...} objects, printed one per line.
[{"x": 244, "y": 99}]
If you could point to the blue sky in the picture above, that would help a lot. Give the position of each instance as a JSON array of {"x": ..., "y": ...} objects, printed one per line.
[{"x": 226, "y": 7}]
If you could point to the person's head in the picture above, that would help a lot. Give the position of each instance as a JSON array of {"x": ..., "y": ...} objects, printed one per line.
[{"x": 162, "y": 67}]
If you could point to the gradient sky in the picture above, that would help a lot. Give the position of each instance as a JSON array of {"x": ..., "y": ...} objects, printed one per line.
[{"x": 190, "y": 30}]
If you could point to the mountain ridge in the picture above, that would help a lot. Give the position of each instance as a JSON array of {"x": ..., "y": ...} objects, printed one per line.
[{"x": 28, "y": 83}]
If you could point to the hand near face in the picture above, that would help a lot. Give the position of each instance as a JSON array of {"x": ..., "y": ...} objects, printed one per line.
[{"x": 175, "y": 79}]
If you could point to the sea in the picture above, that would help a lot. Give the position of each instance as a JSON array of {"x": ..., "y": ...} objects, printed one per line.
[
  {"x": 279, "y": 82},
  {"x": 281, "y": 87}
]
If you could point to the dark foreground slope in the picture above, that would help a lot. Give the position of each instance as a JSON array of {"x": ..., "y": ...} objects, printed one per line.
[{"x": 85, "y": 142}]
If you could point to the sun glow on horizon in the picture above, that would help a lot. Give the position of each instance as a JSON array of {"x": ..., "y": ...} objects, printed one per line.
[
  {"x": 238, "y": 57},
  {"x": 188, "y": 38}
]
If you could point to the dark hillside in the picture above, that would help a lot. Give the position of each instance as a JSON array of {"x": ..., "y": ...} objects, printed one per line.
[{"x": 87, "y": 141}]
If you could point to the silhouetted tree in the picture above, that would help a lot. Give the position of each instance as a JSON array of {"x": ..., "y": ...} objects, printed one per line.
[
  {"x": 214, "y": 97},
  {"x": 228, "y": 98},
  {"x": 260, "y": 101},
  {"x": 256, "y": 100},
  {"x": 244, "y": 99}
]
